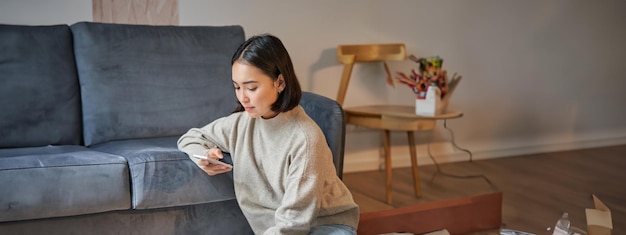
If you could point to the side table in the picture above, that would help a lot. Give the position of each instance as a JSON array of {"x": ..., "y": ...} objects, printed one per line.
[{"x": 398, "y": 118}]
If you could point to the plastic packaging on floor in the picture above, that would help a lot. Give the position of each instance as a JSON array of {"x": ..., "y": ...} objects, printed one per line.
[{"x": 513, "y": 232}]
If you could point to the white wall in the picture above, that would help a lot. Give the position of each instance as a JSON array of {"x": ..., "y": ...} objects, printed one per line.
[
  {"x": 37, "y": 12},
  {"x": 537, "y": 75}
]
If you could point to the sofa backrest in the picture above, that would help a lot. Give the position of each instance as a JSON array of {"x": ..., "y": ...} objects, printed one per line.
[
  {"x": 39, "y": 92},
  {"x": 140, "y": 81}
]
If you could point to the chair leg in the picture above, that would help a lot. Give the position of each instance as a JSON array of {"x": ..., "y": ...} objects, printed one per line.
[
  {"x": 388, "y": 169},
  {"x": 414, "y": 166}
]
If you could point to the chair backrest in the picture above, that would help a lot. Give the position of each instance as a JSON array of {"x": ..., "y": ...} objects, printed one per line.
[{"x": 349, "y": 54}]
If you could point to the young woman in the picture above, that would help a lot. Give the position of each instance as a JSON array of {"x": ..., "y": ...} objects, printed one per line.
[{"x": 285, "y": 180}]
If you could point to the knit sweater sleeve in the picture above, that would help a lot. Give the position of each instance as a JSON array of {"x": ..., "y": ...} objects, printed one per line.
[{"x": 218, "y": 133}]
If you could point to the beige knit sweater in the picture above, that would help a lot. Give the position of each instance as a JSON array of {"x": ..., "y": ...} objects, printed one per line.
[{"x": 285, "y": 180}]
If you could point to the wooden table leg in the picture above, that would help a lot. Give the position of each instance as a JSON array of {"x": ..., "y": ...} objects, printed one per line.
[
  {"x": 414, "y": 166},
  {"x": 388, "y": 169}
]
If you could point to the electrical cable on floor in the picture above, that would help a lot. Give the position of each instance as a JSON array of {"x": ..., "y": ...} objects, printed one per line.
[
  {"x": 439, "y": 171},
  {"x": 445, "y": 125}
]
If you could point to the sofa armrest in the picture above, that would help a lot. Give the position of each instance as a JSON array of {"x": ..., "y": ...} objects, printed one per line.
[{"x": 330, "y": 117}]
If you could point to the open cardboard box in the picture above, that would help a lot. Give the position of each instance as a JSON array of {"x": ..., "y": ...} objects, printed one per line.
[{"x": 599, "y": 220}]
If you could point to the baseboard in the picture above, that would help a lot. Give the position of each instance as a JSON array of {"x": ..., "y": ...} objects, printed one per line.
[{"x": 444, "y": 152}]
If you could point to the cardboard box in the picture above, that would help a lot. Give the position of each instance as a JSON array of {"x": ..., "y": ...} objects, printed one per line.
[{"x": 599, "y": 220}]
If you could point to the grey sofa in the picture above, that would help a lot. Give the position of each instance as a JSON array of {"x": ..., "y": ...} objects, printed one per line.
[{"x": 89, "y": 118}]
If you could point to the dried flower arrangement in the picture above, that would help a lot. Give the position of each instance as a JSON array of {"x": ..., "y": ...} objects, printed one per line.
[{"x": 430, "y": 73}]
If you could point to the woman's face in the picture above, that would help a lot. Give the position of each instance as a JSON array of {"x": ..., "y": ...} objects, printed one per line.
[{"x": 256, "y": 91}]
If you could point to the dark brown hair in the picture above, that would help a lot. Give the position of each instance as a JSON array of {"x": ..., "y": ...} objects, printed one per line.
[{"x": 268, "y": 53}]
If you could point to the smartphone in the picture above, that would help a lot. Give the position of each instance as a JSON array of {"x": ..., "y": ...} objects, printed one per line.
[{"x": 213, "y": 161}]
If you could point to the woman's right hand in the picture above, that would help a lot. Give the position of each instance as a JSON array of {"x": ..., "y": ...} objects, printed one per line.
[{"x": 210, "y": 168}]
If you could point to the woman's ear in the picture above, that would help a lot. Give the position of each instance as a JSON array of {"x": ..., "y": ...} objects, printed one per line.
[{"x": 280, "y": 83}]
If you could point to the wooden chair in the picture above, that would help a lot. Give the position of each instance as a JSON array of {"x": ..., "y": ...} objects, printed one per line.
[{"x": 383, "y": 117}]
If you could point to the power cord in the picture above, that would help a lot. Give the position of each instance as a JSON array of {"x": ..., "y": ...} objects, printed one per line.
[{"x": 440, "y": 172}]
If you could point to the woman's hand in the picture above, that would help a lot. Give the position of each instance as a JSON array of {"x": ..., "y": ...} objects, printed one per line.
[{"x": 210, "y": 168}]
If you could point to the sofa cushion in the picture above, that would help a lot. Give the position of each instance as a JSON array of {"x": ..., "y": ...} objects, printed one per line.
[
  {"x": 39, "y": 92},
  {"x": 142, "y": 81},
  {"x": 54, "y": 181},
  {"x": 163, "y": 176}
]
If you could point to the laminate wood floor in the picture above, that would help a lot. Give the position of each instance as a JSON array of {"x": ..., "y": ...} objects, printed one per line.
[{"x": 536, "y": 188}]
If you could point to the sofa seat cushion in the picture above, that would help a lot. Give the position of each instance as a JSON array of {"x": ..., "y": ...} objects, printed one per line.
[
  {"x": 39, "y": 92},
  {"x": 140, "y": 81},
  {"x": 163, "y": 176},
  {"x": 54, "y": 181}
]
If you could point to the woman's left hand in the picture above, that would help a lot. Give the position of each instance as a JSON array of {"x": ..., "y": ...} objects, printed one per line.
[{"x": 210, "y": 168}]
